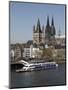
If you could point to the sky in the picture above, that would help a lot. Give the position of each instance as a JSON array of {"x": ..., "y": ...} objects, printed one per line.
[{"x": 24, "y": 15}]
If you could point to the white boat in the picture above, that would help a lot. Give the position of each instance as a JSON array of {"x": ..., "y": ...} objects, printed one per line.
[{"x": 38, "y": 66}]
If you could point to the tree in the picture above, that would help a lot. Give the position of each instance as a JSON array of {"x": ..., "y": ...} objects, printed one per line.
[{"x": 47, "y": 53}]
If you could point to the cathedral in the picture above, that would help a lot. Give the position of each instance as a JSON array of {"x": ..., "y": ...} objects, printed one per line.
[
  {"x": 42, "y": 36},
  {"x": 38, "y": 34}
]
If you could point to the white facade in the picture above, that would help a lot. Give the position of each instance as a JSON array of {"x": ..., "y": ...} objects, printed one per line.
[
  {"x": 60, "y": 40},
  {"x": 31, "y": 52},
  {"x": 28, "y": 51},
  {"x": 35, "y": 51},
  {"x": 12, "y": 53}
]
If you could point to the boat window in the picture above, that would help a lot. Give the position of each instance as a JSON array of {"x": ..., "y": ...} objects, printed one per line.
[{"x": 26, "y": 66}]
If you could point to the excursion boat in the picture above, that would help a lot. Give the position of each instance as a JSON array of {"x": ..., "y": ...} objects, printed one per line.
[{"x": 38, "y": 66}]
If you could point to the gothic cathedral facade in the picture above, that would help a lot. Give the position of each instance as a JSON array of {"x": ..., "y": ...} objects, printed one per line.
[{"x": 44, "y": 35}]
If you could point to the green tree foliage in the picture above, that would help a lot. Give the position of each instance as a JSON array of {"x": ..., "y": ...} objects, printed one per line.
[{"x": 47, "y": 53}]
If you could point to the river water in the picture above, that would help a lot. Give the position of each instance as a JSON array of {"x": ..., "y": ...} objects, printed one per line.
[{"x": 49, "y": 77}]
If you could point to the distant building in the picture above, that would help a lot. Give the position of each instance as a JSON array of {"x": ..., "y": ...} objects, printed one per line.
[
  {"x": 17, "y": 52},
  {"x": 42, "y": 38},
  {"x": 12, "y": 55},
  {"x": 38, "y": 34},
  {"x": 27, "y": 51},
  {"x": 44, "y": 35},
  {"x": 50, "y": 32},
  {"x": 60, "y": 42},
  {"x": 31, "y": 51},
  {"x": 36, "y": 52},
  {"x": 29, "y": 42}
]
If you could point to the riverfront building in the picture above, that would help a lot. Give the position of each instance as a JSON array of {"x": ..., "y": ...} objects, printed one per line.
[
  {"x": 43, "y": 37},
  {"x": 38, "y": 34}
]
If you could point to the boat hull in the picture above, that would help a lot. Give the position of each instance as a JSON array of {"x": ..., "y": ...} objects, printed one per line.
[{"x": 38, "y": 67}]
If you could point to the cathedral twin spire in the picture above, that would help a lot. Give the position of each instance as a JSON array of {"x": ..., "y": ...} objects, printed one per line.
[
  {"x": 50, "y": 30},
  {"x": 52, "y": 23},
  {"x": 38, "y": 28},
  {"x": 48, "y": 21},
  {"x": 39, "y": 34}
]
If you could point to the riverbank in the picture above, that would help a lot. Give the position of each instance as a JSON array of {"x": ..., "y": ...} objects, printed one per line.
[
  {"x": 61, "y": 62},
  {"x": 43, "y": 61}
]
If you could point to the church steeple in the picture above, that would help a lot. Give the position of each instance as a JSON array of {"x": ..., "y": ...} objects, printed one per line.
[
  {"x": 38, "y": 28},
  {"x": 34, "y": 28},
  {"x": 38, "y": 22},
  {"x": 59, "y": 33},
  {"x": 38, "y": 34},
  {"x": 53, "y": 32},
  {"x": 52, "y": 23},
  {"x": 48, "y": 21}
]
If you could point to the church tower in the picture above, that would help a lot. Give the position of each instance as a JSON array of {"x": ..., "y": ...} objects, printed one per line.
[
  {"x": 50, "y": 32},
  {"x": 37, "y": 34},
  {"x": 47, "y": 32},
  {"x": 53, "y": 32}
]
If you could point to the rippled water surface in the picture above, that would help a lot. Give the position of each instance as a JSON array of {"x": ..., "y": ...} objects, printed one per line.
[{"x": 39, "y": 78}]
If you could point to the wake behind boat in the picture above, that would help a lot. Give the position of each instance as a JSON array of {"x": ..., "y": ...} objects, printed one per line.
[{"x": 37, "y": 66}]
